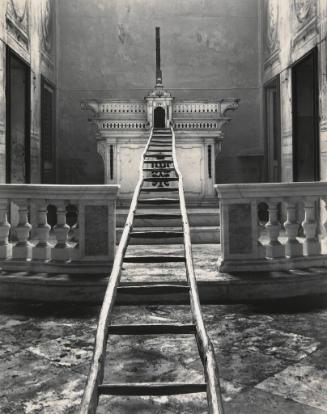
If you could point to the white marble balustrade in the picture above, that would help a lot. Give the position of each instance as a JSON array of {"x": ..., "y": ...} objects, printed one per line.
[
  {"x": 29, "y": 243},
  {"x": 272, "y": 226}
]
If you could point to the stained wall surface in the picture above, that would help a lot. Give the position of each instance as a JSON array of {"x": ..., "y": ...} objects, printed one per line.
[{"x": 209, "y": 49}]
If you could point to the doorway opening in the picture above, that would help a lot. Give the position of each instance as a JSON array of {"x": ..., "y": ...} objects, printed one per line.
[
  {"x": 306, "y": 153},
  {"x": 18, "y": 119},
  {"x": 159, "y": 120},
  {"x": 272, "y": 131}
]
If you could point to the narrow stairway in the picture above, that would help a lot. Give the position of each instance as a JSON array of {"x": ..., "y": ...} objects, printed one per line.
[{"x": 160, "y": 184}]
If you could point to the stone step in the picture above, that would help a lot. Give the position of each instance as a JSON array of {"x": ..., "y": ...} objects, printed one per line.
[
  {"x": 199, "y": 235},
  {"x": 204, "y": 217}
]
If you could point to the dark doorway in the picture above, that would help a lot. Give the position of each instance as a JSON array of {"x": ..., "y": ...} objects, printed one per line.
[
  {"x": 18, "y": 120},
  {"x": 159, "y": 118},
  {"x": 306, "y": 166},
  {"x": 272, "y": 129},
  {"x": 48, "y": 150}
]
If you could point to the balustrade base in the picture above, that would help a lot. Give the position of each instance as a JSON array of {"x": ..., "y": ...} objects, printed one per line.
[
  {"x": 268, "y": 264},
  {"x": 22, "y": 252},
  {"x": 61, "y": 254},
  {"x": 293, "y": 249},
  {"x": 77, "y": 267},
  {"x": 276, "y": 250},
  {"x": 5, "y": 251},
  {"x": 41, "y": 253}
]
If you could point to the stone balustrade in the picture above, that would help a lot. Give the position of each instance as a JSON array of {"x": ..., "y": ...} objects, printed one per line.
[
  {"x": 272, "y": 226},
  {"x": 123, "y": 107},
  {"x": 138, "y": 125},
  {"x": 193, "y": 125},
  {"x": 81, "y": 242}
]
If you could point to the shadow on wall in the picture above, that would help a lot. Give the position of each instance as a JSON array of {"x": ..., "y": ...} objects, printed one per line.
[
  {"x": 244, "y": 169},
  {"x": 81, "y": 170}
]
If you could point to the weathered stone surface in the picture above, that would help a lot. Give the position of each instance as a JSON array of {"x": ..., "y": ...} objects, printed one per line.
[{"x": 270, "y": 361}]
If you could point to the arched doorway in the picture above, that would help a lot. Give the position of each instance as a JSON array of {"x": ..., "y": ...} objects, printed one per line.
[{"x": 159, "y": 118}]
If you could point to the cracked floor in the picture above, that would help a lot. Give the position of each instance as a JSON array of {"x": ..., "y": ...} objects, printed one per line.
[{"x": 270, "y": 362}]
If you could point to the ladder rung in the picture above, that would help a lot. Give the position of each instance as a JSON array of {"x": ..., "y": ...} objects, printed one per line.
[
  {"x": 159, "y": 155},
  {"x": 158, "y": 144},
  {"x": 159, "y": 189},
  {"x": 149, "y": 179},
  {"x": 157, "y": 150},
  {"x": 153, "y": 289},
  {"x": 154, "y": 234},
  {"x": 151, "y": 388},
  {"x": 154, "y": 259},
  {"x": 152, "y": 329},
  {"x": 159, "y": 200},
  {"x": 157, "y": 216},
  {"x": 157, "y": 161},
  {"x": 163, "y": 169}
]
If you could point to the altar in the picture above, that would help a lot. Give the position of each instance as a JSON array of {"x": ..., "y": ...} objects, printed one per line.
[{"x": 122, "y": 130}]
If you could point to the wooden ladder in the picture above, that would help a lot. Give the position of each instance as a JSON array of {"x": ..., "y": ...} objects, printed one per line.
[{"x": 158, "y": 165}]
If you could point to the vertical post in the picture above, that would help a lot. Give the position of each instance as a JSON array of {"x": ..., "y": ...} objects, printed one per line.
[
  {"x": 311, "y": 245},
  {"x": 42, "y": 250},
  {"x": 158, "y": 63},
  {"x": 61, "y": 251},
  {"x": 23, "y": 248},
  {"x": 274, "y": 248},
  {"x": 292, "y": 247},
  {"x": 5, "y": 246}
]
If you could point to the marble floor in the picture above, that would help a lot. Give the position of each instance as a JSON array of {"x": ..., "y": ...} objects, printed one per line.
[{"x": 272, "y": 358}]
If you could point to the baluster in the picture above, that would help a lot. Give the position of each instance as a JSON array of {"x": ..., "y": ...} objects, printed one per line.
[
  {"x": 292, "y": 247},
  {"x": 5, "y": 246},
  {"x": 75, "y": 238},
  {"x": 23, "y": 248},
  {"x": 61, "y": 250},
  {"x": 42, "y": 249},
  {"x": 274, "y": 248},
  {"x": 311, "y": 245}
]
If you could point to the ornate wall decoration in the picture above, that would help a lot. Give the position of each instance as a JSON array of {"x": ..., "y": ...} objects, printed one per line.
[
  {"x": 303, "y": 9},
  {"x": 272, "y": 25},
  {"x": 17, "y": 18},
  {"x": 304, "y": 21},
  {"x": 47, "y": 25}
]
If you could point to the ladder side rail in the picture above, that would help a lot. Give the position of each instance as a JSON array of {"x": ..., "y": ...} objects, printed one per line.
[
  {"x": 205, "y": 346},
  {"x": 90, "y": 396}
]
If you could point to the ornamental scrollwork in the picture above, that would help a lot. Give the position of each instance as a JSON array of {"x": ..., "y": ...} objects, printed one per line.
[
  {"x": 303, "y": 9},
  {"x": 47, "y": 24},
  {"x": 272, "y": 13}
]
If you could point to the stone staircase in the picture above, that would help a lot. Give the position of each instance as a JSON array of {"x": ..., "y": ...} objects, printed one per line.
[{"x": 204, "y": 223}]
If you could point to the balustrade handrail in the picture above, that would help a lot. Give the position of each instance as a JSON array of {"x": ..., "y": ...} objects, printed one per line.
[
  {"x": 205, "y": 346},
  {"x": 52, "y": 191},
  {"x": 270, "y": 190},
  {"x": 89, "y": 402}
]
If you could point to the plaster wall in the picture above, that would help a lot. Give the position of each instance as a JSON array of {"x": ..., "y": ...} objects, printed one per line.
[{"x": 209, "y": 50}]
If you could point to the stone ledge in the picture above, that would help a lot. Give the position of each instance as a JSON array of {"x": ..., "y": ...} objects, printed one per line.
[{"x": 227, "y": 288}]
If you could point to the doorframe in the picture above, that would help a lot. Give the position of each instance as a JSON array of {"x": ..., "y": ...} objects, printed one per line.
[
  {"x": 270, "y": 140},
  {"x": 27, "y": 142},
  {"x": 314, "y": 53},
  {"x": 45, "y": 81}
]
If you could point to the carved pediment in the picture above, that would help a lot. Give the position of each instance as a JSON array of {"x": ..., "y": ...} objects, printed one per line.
[{"x": 17, "y": 20}]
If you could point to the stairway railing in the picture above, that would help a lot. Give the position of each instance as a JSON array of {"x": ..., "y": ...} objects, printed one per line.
[
  {"x": 95, "y": 377},
  {"x": 205, "y": 347}
]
